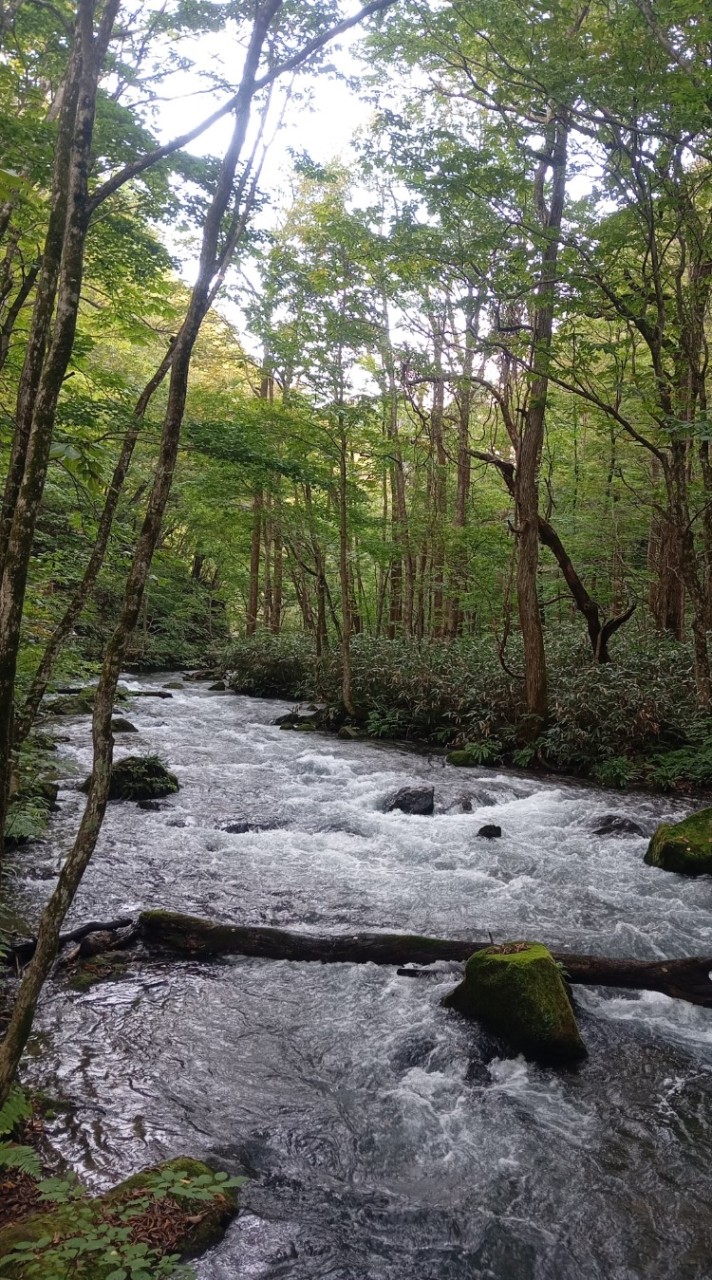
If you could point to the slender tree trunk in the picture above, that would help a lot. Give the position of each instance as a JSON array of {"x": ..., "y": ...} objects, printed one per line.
[
  {"x": 65, "y": 626},
  {"x": 22, "y": 1015},
  {"x": 344, "y": 576},
  {"x": 253, "y": 597},
  {"x": 532, "y": 439},
  {"x": 278, "y": 553},
  {"x": 48, "y": 353}
]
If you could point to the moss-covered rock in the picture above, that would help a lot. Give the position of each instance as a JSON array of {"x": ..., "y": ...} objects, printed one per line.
[
  {"x": 518, "y": 991},
  {"x": 462, "y": 759},
  {"x": 139, "y": 778},
  {"x": 192, "y": 1223},
  {"x": 76, "y": 702},
  {"x": 684, "y": 846}
]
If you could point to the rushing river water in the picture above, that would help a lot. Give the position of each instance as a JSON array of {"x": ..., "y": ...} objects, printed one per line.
[{"x": 382, "y": 1139}]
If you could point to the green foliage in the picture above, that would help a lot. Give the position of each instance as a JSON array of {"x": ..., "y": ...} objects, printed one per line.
[
  {"x": 14, "y": 1155},
  {"x": 94, "y": 1240},
  {"x": 634, "y": 723},
  {"x": 14, "y": 1112},
  {"x": 24, "y": 1159}
]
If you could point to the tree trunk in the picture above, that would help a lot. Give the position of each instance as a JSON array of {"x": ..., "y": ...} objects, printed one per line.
[
  {"x": 253, "y": 595},
  {"x": 77, "y": 860},
  {"x": 532, "y": 438}
]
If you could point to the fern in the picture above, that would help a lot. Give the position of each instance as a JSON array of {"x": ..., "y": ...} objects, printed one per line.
[
  {"x": 24, "y": 1159},
  {"x": 15, "y": 1111}
]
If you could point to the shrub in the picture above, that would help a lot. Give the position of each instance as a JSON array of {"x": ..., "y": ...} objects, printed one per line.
[{"x": 633, "y": 722}]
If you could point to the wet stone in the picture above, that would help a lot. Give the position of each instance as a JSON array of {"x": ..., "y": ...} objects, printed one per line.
[
  {"x": 616, "y": 824},
  {"x": 418, "y": 801}
]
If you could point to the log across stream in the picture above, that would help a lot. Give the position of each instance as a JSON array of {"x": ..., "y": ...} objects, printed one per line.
[
  {"x": 381, "y": 1136},
  {"x": 184, "y": 935}
]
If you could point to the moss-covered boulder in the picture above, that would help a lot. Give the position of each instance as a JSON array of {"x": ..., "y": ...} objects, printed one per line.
[
  {"x": 139, "y": 778},
  {"x": 462, "y": 759},
  {"x": 182, "y": 1202},
  {"x": 518, "y": 991},
  {"x": 684, "y": 846}
]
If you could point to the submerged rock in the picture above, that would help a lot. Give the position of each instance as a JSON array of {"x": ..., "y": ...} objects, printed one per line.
[
  {"x": 615, "y": 824},
  {"x": 173, "y": 684},
  {"x": 490, "y": 831},
  {"x": 120, "y": 725},
  {"x": 517, "y": 990},
  {"x": 139, "y": 778},
  {"x": 187, "y": 1224},
  {"x": 218, "y": 687},
  {"x": 684, "y": 846},
  {"x": 413, "y": 800}
]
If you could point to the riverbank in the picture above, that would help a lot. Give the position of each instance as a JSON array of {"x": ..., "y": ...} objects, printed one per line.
[{"x": 632, "y": 724}]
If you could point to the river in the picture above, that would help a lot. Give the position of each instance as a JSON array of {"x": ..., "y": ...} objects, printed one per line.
[{"x": 383, "y": 1139}]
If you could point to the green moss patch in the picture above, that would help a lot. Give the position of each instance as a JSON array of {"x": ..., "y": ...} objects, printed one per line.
[
  {"x": 517, "y": 990},
  {"x": 685, "y": 847}
]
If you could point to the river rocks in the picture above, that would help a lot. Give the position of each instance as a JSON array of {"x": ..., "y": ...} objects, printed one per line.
[
  {"x": 139, "y": 778},
  {"x": 615, "y": 824},
  {"x": 185, "y": 1224},
  {"x": 173, "y": 684},
  {"x": 120, "y": 725},
  {"x": 414, "y": 800},
  {"x": 218, "y": 687},
  {"x": 684, "y": 846},
  {"x": 490, "y": 831},
  {"x": 517, "y": 990},
  {"x": 295, "y": 720}
]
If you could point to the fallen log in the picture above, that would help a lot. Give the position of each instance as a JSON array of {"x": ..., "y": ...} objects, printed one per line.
[
  {"x": 687, "y": 979},
  {"x": 23, "y": 951}
]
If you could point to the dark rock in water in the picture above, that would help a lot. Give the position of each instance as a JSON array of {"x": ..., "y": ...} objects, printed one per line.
[
  {"x": 490, "y": 831},
  {"x": 295, "y": 720},
  {"x": 139, "y": 778},
  {"x": 177, "y": 822},
  {"x": 240, "y": 826},
  {"x": 218, "y": 687},
  {"x": 419, "y": 801},
  {"x": 466, "y": 804},
  {"x": 518, "y": 992},
  {"x": 173, "y": 684},
  {"x": 349, "y": 733},
  {"x": 685, "y": 847},
  {"x": 120, "y": 725},
  {"x": 151, "y": 806},
  {"x": 615, "y": 824}
]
